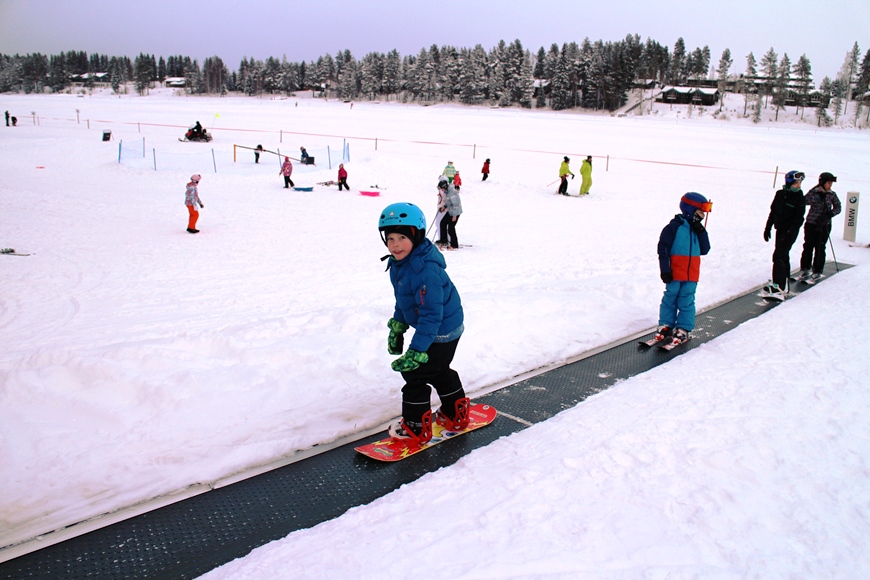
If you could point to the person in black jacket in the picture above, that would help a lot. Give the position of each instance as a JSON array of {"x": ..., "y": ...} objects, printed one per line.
[
  {"x": 823, "y": 205},
  {"x": 787, "y": 216}
]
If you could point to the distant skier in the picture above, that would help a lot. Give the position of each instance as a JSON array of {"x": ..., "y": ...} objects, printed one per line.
[
  {"x": 485, "y": 170},
  {"x": 287, "y": 171},
  {"x": 427, "y": 300},
  {"x": 441, "y": 211},
  {"x": 822, "y": 204},
  {"x": 7, "y": 118},
  {"x": 681, "y": 244},
  {"x": 304, "y": 157},
  {"x": 787, "y": 216},
  {"x": 449, "y": 171},
  {"x": 191, "y": 199},
  {"x": 457, "y": 181},
  {"x": 586, "y": 174},
  {"x": 564, "y": 172},
  {"x": 342, "y": 177},
  {"x": 257, "y": 150},
  {"x": 453, "y": 207}
]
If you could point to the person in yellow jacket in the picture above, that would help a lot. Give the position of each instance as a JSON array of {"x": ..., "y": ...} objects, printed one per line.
[
  {"x": 564, "y": 172},
  {"x": 586, "y": 174}
]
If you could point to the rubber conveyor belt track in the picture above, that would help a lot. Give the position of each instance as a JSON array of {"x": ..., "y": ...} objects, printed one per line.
[{"x": 191, "y": 537}]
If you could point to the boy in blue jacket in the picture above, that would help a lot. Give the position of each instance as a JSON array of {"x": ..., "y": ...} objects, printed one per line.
[
  {"x": 427, "y": 300},
  {"x": 682, "y": 243}
]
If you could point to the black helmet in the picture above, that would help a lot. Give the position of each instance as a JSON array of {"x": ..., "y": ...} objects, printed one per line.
[
  {"x": 826, "y": 177},
  {"x": 566, "y": 158}
]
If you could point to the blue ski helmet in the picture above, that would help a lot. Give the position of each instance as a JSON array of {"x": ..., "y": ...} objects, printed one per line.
[
  {"x": 793, "y": 176},
  {"x": 404, "y": 218},
  {"x": 694, "y": 201}
]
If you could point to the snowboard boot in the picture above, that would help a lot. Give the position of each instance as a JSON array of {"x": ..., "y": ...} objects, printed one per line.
[
  {"x": 460, "y": 417},
  {"x": 663, "y": 332},
  {"x": 816, "y": 276},
  {"x": 417, "y": 433},
  {"x": 803, "y": 276}
]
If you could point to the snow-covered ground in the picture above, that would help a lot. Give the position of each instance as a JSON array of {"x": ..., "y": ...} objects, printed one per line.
[{"x": 139, "y": 360}]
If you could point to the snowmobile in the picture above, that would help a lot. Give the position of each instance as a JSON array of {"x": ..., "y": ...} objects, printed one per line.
[{"x": 196, "y": 133}]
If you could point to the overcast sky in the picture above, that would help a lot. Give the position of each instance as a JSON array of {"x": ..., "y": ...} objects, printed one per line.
[{"x": 233, "y": 29}]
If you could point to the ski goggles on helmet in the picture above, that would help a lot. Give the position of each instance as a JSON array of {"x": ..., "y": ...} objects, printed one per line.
[
  {"x": 799, "y": 176},
  {"x": 704, "y": 206}
]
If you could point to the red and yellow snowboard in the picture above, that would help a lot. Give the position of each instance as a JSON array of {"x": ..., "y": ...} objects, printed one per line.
[{"x": 390, "y": 449}]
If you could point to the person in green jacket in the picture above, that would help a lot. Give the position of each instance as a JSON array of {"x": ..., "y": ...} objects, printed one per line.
[
  {"x": 586, "y": 174},
  {"x": 564, "y": 172}
]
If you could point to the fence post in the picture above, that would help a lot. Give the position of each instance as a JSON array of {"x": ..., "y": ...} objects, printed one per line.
[
  {"x": 154, "y": 153},
  {"x": 775, "y": 175},
  {"x": 213, "y": 160},
  {"x": 329, "y": 156},
  {"x": 120, "y": 142},
  {"x": 607, "y": 165},
  {"x": 143, "y": 147}
]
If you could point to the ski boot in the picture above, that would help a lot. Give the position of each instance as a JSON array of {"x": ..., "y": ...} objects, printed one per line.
[
  {"x": 680, "y": 336},
  {"x": 662, "y": 333}
]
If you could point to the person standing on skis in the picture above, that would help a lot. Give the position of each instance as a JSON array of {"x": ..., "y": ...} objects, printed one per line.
[
  {"x": 787, "y": 216},
  {"x": 822, "y": 204},
  {"x": 564, "y": 172},
  {"x": 681, "y": 244},
  {"x": 586, "y": 174}
]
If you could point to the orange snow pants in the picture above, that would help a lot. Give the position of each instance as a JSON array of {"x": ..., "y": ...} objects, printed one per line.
[{"x": 194, "y": 215}]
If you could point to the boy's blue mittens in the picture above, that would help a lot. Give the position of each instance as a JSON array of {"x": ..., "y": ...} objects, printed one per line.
[
  {"x": 410, "y": 361},
  {"x": 396, "y": 340}
]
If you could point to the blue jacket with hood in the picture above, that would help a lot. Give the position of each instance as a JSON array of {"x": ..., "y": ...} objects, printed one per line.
[{"x": 426, "y": 299}]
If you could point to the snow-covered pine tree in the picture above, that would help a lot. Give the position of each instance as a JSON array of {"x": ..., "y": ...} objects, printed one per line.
[
  {"x": 725, "y": 62},
  {"x": 782, "y": 87},
  {"x": 848, "y": 74},
  {"x": 347, "y": 80},
  {"x": 449, "y": 73},
  {"x": 803, "y": 72},
  {"x": 749, "y": 85},
  {"x": 560, "y": 87},
  {"x": 838, "y": 92},
  {"x": 678, "y": 63},
  {"x": 392, "y": 73},
  {"x": 540, "y": 58},
  {"x": 142, "y": 73},
  {"x": 769, "y": 70}
]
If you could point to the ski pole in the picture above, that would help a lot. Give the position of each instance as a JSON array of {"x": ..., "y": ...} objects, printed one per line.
[{"x": 833, "y": 253}]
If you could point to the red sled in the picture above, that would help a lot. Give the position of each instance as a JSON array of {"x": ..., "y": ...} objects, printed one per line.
[{"x": 390, "y": 449}]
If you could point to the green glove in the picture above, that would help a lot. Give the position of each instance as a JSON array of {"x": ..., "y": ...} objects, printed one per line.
[
  {"x": 410, "y": 361},
  {"x": 396, "y": 340}
]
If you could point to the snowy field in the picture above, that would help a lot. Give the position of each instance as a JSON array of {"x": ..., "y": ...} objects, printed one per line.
[{"x": 139, "y": 360}]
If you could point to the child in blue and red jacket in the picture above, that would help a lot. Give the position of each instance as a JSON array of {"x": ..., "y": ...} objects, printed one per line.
[{"x": 681, "y": 244}]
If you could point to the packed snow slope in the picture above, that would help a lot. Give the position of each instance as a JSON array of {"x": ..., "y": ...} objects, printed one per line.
[{"x": 138, "y": 359}]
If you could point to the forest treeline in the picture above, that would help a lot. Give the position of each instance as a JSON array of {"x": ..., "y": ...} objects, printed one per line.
[{"x": 592, "y": 75}]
